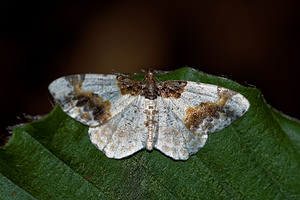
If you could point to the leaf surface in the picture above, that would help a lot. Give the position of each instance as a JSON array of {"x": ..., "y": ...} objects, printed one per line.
[{"x": 257, "y": 157}]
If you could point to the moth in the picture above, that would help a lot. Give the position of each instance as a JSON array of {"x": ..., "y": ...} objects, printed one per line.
[{"x": 125, "y": 115}]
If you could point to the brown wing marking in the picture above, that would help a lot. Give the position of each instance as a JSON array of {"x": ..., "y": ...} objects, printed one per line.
[
  {"x": 129, "y": 86},
  {"x": 90, "y": 104},
  {"x": 171, "y": 88},
  {"x": 209, "y": 111}
]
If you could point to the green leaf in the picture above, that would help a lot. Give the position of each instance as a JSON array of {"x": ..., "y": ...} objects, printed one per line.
[{"x": 257, "y": 157}]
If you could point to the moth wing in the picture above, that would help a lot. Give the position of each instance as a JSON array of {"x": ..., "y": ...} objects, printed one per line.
[
  {"x": 174, "y": 138},
  {"x": 203, "y": 108},
  {"x": 91, "y": 99},
  {"x": 124, "y": 134}
]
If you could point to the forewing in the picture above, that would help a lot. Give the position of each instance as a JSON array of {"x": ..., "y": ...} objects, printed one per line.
[
  {"x": 203, "y": 108},
  {"x": 174, "y": 138},
  {"x": 124, "y": 134},
  {"x": 93, "y": 99}
]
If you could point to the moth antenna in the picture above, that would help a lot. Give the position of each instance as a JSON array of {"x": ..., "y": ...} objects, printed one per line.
[{"x": 160, "y": 72}]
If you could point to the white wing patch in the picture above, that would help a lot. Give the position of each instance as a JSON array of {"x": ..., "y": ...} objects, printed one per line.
[
  {"x": 174, "y": 137},
  {"x": 126, "y": 115},
  {"x": 124, "y": 134}
]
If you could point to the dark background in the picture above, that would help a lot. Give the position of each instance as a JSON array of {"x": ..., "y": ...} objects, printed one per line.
[{"x": 255, "y": 43}]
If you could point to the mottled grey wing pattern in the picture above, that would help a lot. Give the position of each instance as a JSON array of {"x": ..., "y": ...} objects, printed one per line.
[
  {"x": 188, "y": 111},
  {"x": 174, "y": 138},
  {"x": 206, "y": 108},
  {"x": 124, "y": 134},
  {"x": 91, "y": 99}
]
